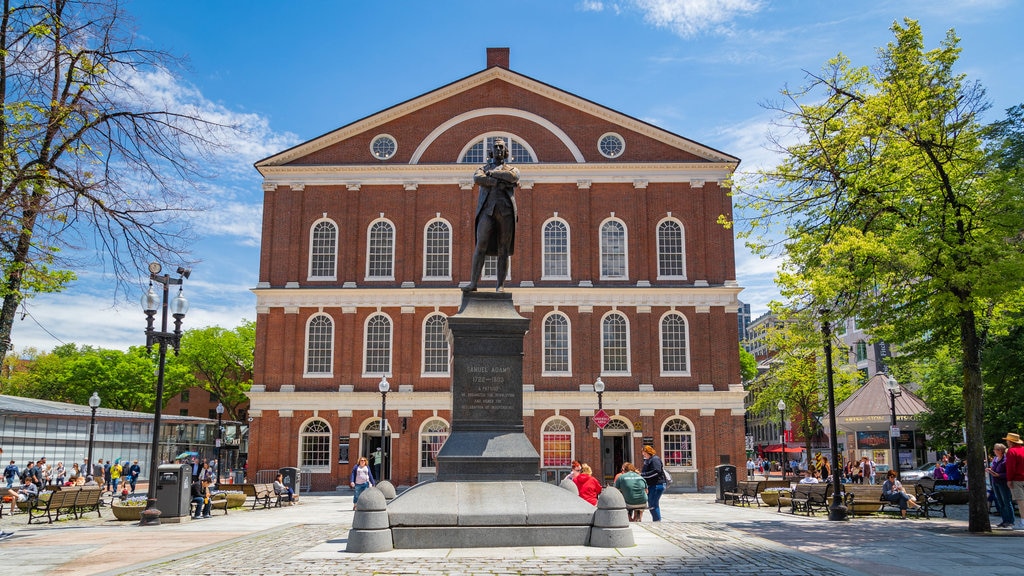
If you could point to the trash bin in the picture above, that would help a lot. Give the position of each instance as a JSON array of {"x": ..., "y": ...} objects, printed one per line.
[
  {"x": 238, "y": 476},
  {"x": 173, "y": 490},
  {"x": 290, "y": 479},
  {"x": 725, "y": 481}
]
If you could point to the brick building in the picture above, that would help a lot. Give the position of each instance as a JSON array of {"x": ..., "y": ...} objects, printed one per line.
[{"x": 619, "y": 264}]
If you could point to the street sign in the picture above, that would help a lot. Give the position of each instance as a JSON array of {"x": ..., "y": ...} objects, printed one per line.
[{"x": 601, "y": 418}]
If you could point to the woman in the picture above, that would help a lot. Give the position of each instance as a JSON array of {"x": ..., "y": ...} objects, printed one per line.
[
  {"x": 893, "y": 491},
  {"x": 634, "y": 491},
  {"x": 1001, "y": 490},
  {"x": 575, "y": 470},
  {"x": 281, "y": 490},
  {"x": 653, "y": 472},
  {"x": 360, "y": 479},
  {"x": 73, "y": 475},
  {"x": 60, "y": 474},
  {"x": 588, "y": 486}
]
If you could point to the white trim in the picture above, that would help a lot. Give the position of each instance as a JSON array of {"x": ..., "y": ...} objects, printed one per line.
[
  {"x": 543, "y": 338},
  {"x": 309, "y": 264},
  {"x": 394, "y": 241},
  {"x": 600, "y": 249},
  {"x": 508, "y": 146},
  {"x": 629, "y": 348},
  {"x": 391, "y": 346},
  {"x": 568, "y": 249},
  {"x": 615, "y": 135},
  {"x": 426, "y": 226},
  {"x": 423, "y": 350},
  {"x": 378, "y": 137},
  {"x": 657, "y": 245},
  {"x": 661, "y": 345},
  {"x": 480, "y": 112},
  {"x": 305, "y": 348}
]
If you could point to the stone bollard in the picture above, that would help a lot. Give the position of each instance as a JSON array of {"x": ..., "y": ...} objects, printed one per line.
[
  {"x": 568, "y": 484},
  {"x": 611, "y": 527},
  {"x": 371, "y": 530},
  {"x": 388, "y": 489}
]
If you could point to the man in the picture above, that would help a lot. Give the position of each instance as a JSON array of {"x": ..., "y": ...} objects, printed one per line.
[
  {"x": 495, "y": 214},
  {"x": 201, "y": 499},
  {"x": 1015, "y": 473},
  {"x": 378, "y": 459},
  {"x": 867, "y": 470},
  {"x": 25, "y": 493},
  {"x": 133, "y": 474},
  {"x": 97, "y": 469},
  {"x": 811, "y": 479},
  {"x": 10, "y": 473}
]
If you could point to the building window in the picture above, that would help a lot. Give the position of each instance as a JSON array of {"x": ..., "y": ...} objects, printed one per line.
[
  {"x": 378, "y": 346},
  {"x": 556, "y": 345},
  {"x": 435, "y": 346},
  {"x": 556, "y": 444},
  {"x": 490, "y": 271},
  {"x": 323, "y": 249},
  {"x": 556, "y": 250},
  {"x": 437, "y": 255},
  {"x": 315, "y": 446},
  {"x": 671, "y": 257},
  {"x": 380, "y": 257},
  {"x": 432, "y": 437},
  {"x": 613, "y": 250},
  {"x": 184, "y": 395},
  {"x": 611, "y": 145},
  {"x": 319, "y": 345},
  {"x": 674, "y": 350},
  {"x": 519, "y": 152},
  {"x": 342, "y": 449},
  {"x": 614, "y": 344},
  {"x": 383, "y": 147},
  {"x": 862, "y": 351},
  {"x": 677, "y": 443}
]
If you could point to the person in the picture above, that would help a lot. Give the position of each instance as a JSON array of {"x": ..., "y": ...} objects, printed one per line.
[
  {"x": 90, "y": 481},
  {"x": 59, "y": 473},
  {"x": 750, "y": 468},
  {"x": 115, "y": 475},
  {"x": 892, "y": 490},
  {"x": 576, "y": 466},
  {"x": 206, "y": 472},
  {"x": 1015, "y": 473},
  {"x": 378, "y": 459},
  {"x": 867, "y": 470},
  {"x": 201, "y": 498},
  {"x": 281, "y": 490},
  {"x": 97, "y": 470},
  {"x": 634, "y": 491},
  {"x": 653, "y": 471},
  {"x": 26, "y": 492},
  {"x": 1000, "y": 489},
  {"x": 810, "y": 478},
  {"x": 360, "y": 479},
  {"x": 939, "y": 473},
  {"x": 855, "y": 472},
  {"x": 496, "y": 214},
  {"x": 953, "y": 473},
  {"x": 588, "y": 486},
  {"x": 10, "y": 483},
  {"x": 10, "y": 473},
  {"x": 73, "y": 474},
  {"x": 133, "y": 474},
  {"x": 106, "y": 475}
]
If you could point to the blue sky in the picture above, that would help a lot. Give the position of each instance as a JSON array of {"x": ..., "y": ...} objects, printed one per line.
[{"x": 293, "y": 71}]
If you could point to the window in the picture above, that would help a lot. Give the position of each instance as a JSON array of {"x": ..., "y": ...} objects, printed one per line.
[
  {"x": 383, "y": 147},
  {"x": 323, "y": 247},
  {"x": 378, "y": 346},
  {"x": 380, "y": 251},
  {"x": 319, "y": 345},
  {"x": 315, "y": 446},
  {"x": 673, "y": 344},
  {"x": 556, "y": 344},
  {"x": 677, "y": 442},
  {"x": 519, "y": 152},
  {"x": 611, "y": 145},
  {"x": 490, "y": 271},
  {"x": 437, "y": 254},
  {"x": 184, "y": 395},
  {"x": 435, "y": 345},
  {"x": 671, "y": 259},
  {"x": 862, "y": 351},
  {"x": 432, "y": 437},
  {"x": 342, "y": 449},
  {"x": 613, "y": 250},
  {"x": 556, "y": 249},
  {"x": 614, "y": 344},
  {"x": 556, "y": 444}
]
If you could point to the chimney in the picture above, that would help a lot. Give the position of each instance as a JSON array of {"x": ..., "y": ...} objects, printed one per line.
[{"x": 497, "y": 57}]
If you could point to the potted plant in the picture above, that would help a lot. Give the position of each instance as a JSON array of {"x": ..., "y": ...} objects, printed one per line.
[
  {"x": 129, "y": 508},
  {"x": 770, "y": 496}
]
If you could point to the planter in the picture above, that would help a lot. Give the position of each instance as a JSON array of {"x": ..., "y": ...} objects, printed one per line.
[
  {"x": 235, "y": 499},
  {"x": 127, "y": 512},
  {"x": 770, "y": 498}
]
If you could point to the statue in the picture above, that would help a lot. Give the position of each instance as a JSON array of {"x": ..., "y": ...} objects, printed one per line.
[{"x": 495, "y": 213}]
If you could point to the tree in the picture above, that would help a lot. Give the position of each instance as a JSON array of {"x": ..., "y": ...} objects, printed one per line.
[
  {"x": 748, "y": 365},
  {"x": 897, "y": 213},
  {"x": 90, "y": 155},
  {"x": 221, "y": 362}
]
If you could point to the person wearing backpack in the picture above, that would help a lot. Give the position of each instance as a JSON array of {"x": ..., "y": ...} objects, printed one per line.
[
  {"x": 10, "y": 473},
  {"x": 653, "y": 472}
]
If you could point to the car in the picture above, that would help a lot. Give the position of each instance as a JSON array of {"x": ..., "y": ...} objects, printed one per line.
[{"x": 916, "y": 474}]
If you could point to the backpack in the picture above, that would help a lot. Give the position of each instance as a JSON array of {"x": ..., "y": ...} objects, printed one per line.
[{"x": 667, "y": 476}]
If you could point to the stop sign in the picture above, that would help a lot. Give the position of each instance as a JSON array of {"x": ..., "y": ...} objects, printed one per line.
[{"x": 601, "y": 418}]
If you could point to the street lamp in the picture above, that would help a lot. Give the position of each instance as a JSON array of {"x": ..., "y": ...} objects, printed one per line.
[
  {"x": 599, "y": 388},
  {"x": 384, "y": 386},
  {"x": 837, "y": 511},
  {"x": 220, "y": 437},
  {"x": 178, "y": 308},
  {"x": 94, "y": 403},
  {"x": 894, "y": 390},
  {"x": 782, "y": 435}
]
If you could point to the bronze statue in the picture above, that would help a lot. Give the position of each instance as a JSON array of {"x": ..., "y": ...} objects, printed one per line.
[{"x": 495, "y": 213}]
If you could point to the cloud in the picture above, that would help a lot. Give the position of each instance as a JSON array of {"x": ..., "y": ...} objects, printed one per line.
[{"x": 689, "y": 18}]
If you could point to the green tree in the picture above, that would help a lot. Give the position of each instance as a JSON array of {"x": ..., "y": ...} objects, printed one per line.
[
  {"x": 221, "y": 362},
  {"x": 748, "y": 365},
  {"x": 896, "y": 213}
]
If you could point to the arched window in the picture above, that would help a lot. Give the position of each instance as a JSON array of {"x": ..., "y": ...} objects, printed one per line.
[
  {"x": 519, "y": 152},
  {"x": 677, "y": 443},
  {"x": 556, "y": 250},
  {"x": 556, "y": 345},
  {"x": 315, "y": 446},
  {"x": 671, "y": 250},
  {"x": 556, "y": 444},
  {"x": 435, "y": 346},
  {"x": 323, "y": 250},
  {"x": 614, "y": 344},
  {"x": 437, "y": 251},
  {"x": 674, "y": 349},
  {"x": 432, "y": 436},
  {"x": 380, "y": 251},
  {"x": 377, "y": 347},
  {"x": 319, "y": 345},
  {"x": 613, "y": 251}
]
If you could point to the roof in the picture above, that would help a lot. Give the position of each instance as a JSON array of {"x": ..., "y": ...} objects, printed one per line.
[
  {"x": 18, "y": 406},
  {"x": 871, "y": 404}
]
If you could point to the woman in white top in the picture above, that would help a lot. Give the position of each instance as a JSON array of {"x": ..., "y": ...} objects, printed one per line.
[{"x": 360, "y": 479}]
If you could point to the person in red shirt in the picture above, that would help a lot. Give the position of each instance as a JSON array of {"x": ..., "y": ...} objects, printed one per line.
[
  {"x": 1015, "y": 473},
  {"x": 588, "y": 486}
]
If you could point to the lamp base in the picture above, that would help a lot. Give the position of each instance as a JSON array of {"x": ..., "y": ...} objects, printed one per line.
[
  {"x": 837, "y": 511},
  {"x": 151, "y": 515}
]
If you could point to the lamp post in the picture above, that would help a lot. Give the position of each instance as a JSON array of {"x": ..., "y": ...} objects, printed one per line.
[
  {"x": 94, "y": 403},
  {"x": 782, "y": 435},
  {"x": 178, "y": 308},
  {"x": 837, "y": 511},
  {"x": 384, "y": 386},
  {"x": 599, "y": 388},
  {"x": 220, "y": 437},
  {"x": 894, "y": 391}
]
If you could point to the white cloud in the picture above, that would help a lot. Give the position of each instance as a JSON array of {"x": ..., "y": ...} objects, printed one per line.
[{"x": 689, "y": 18}]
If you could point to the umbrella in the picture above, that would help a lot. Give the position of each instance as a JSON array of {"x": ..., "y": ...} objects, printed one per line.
[
  {"x": 789, "y": 449},
  {"x": 186, "y": 455}
]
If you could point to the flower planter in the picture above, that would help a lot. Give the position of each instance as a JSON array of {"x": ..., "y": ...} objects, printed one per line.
[
  {"x": 235, "y": 499},
  {"x": 127, "y": 512},
  {"x": 770, "y": 498}
]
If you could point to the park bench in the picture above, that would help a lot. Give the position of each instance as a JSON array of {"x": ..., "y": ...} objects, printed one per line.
[
  {"x": 746, "y": 493},
  {"x": 865, "y": 499},
  {"x": 218, "y": 501},
  {"x": 260, "y": 494},
  {"x": 88, "y": 500},
  {"x": 806, "y": 498},
  {"x": 52, "y": 505},
  {"x": 935, "y": 494}
]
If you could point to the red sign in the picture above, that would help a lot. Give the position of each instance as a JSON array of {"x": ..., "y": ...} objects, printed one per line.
[{"x": 601, "y": 418}]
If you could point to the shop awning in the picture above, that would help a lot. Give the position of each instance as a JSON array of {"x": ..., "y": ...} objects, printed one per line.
[{"x": 778, "y": 448}]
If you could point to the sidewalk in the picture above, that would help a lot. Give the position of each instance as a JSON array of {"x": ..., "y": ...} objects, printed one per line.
[{"x": 697, "y": 537}]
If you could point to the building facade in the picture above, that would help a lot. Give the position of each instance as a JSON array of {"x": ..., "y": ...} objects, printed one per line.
[{"x": 619, "y": 264}]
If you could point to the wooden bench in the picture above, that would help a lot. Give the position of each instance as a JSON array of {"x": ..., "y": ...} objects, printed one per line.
[
  {"x": 52, "y": 505},
  {"x": 260, "y": 494},
  {"x": 218, "y": 501},
  {"x": 746, "y": 493},
  {"x": 806, "y": 498},
  {"x": 89, "y": 500},
  {"x": 935, "y": 494}
]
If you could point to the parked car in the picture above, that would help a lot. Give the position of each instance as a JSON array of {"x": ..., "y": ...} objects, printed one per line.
[{"x": 924, "y": 471}]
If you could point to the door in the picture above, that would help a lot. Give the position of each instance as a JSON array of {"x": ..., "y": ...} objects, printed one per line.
[{"x": 380, "y": 463}]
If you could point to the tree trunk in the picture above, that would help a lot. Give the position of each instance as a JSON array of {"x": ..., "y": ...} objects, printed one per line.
[{"x": 978, "y": 520}]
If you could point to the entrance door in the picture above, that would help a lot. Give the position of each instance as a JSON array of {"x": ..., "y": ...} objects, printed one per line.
[
  {"x": 617, "y": 448},
  {"x": 370, "y": 445}
]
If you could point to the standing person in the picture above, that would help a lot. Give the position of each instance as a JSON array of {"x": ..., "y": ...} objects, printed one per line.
[
  {"x": 106, "y": 475},
  {"x": 115, "y": 474},
  {"x": 867, "y": 470},
  {"x": 588, "y": 486},
  {"x": 495, "y": 213},
  {"x": 576, "y": 467},
  {"x": 97, "y": 471},
  {"x": 750, "y": 468},
  {"x": 634, "y": 491},
  {"x": 133, "y": 474},
  {"x": 653, "y": 472},
  {"x": 1015, "y": 473},
  {"x": 378, "y": 459},
  {"x": 997, "y": 474},
  {"x": 60, "y": 474},
  {"x": 10, "y": 473},
  {"x": 360, "y": 479}
]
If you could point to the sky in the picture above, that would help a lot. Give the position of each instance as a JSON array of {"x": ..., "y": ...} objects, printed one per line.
[{"x": 291, "y": 71}]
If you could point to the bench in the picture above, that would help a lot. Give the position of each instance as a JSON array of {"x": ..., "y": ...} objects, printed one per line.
[
  {"x": 260, "y": 494},
  {"x": 89, "y": 500},
  {"x": 746, "y": 493},
  {"x": 865, "y": 499},
  {"x": 52, "y": 505},
  {"x": 806, "y": 498},
  {"x": 218, "y": 501},
  {"x": 935, "y": 494}
]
